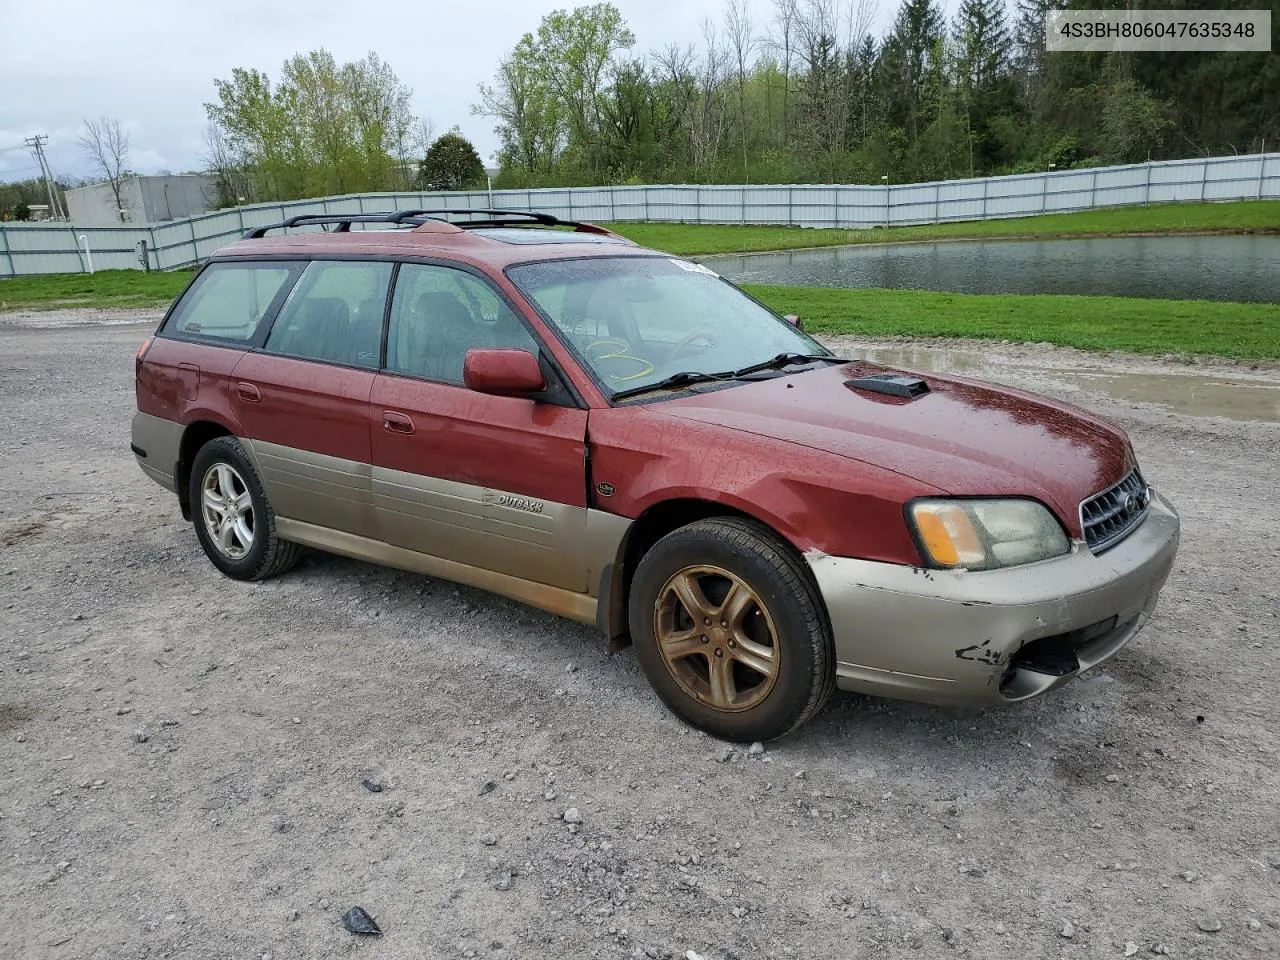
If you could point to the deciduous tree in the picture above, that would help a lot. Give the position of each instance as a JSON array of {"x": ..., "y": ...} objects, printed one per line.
[
  {"x": 106, "y": 145},
  {"x": 451, "y": 163}
]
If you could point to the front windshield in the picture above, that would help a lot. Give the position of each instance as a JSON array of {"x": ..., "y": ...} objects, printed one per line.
[{"x": 637, "y": 320}]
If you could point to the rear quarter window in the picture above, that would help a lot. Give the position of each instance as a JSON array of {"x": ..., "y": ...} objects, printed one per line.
[{"x": 229, "y": 301}]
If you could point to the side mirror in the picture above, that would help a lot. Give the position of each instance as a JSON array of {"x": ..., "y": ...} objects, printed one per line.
[
  {"x": 506, "y": 373},
  {"x": 795, "y": 321}
]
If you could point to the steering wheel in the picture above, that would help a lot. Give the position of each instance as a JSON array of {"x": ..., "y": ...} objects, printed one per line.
[{"x": 683, "y": 346}]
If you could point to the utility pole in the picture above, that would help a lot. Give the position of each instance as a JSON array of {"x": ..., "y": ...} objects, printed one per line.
[{"x": 36, "y": 144}]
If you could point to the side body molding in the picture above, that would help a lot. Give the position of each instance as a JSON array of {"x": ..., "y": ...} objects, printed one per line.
[{"x": 548, "y": 555}]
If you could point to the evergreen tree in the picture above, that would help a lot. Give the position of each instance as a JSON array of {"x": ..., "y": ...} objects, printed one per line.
[
  {"x": 910, "y": 53},
  {"x": 984, "y": 47}
]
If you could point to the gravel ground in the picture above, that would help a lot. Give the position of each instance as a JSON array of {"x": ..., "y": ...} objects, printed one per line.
[{"x": 183, "y": 755}]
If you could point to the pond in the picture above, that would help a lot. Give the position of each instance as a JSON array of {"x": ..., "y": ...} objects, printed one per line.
[{"x": 1240, "y": 268}]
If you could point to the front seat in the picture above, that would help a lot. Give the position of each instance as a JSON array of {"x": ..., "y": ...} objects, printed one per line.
[
  {"x": 605, "y": 310},
  {"x": 439, "y": 334}
]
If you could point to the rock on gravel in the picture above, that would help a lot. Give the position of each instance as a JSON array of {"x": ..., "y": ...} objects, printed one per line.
[{"x": 357, "y": 920}]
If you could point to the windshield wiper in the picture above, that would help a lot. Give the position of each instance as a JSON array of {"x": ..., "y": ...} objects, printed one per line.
[
  {"x": 785, "y": 360},
  {"x": 675, "y": 380},
  {"x": 685, "y": 377}
]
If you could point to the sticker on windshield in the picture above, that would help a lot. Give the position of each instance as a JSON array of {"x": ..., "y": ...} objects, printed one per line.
[{"x": 694, "y": 267}]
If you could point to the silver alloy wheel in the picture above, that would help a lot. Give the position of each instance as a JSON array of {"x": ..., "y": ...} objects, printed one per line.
[{"x": 227, "y": 509}]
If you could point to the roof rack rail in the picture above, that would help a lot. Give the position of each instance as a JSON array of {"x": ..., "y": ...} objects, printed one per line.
[
  {"x": 492, "y": 218},
  {"x": 343, "y": 220}
]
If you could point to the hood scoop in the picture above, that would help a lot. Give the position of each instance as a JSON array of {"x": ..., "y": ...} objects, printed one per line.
[{"x": 890, "y": 384}]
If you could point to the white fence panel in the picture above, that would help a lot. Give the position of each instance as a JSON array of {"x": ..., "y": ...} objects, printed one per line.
[{"x": 56, "y": 248}]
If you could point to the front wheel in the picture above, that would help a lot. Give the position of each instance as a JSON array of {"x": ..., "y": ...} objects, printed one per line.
[
  {"x": 729, "y": 630},
  {"x": 234, "y": 522}
]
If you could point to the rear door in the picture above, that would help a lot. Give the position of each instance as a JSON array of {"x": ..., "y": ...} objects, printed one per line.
[
  {"x": 497, "y": 483},
  {"x": 304, "y": 397}
]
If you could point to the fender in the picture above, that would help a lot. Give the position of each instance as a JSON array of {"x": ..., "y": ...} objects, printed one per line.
[{"x": 813, "y": 499}]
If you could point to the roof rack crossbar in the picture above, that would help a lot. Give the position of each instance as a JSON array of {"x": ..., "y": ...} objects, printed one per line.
[
  {"x": 543, "y": 219},
  {"x": 501, "y": 218}
]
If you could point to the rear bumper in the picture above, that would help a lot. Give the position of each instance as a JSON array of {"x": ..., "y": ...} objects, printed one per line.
[
  {"x": 994, "y": 636},
  {"x": 155, "y": 443}
]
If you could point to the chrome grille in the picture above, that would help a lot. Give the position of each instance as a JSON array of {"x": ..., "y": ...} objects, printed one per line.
[{"x": 1112, "y": 515}]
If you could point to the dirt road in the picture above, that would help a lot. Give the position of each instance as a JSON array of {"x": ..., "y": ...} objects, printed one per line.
[{"x": 183, "y": 754}]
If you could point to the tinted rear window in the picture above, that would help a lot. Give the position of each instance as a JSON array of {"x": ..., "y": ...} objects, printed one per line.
[
  {"x": 334, "y": 313},
  {"x": 228, "y": 301}
]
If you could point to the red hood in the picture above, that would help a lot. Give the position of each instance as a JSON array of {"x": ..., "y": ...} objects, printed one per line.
[{"x": 963, "y": 437}]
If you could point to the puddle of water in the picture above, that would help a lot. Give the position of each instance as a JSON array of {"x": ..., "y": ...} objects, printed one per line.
[
  {"x": 1195, "y": 395},
  {"x": 933, "y": 360},
  {"x": 1171, "y": 268}
]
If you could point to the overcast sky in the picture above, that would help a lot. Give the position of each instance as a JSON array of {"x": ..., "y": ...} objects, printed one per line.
[{"x": 152, "y": 64}]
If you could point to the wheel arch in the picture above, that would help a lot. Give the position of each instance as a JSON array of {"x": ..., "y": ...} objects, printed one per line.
[
  {"x": 194, "y": 436},
  {"x": 655, "y": 522}
]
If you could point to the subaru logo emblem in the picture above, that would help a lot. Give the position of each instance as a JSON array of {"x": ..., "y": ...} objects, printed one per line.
[{"x": 1131, "y": 504}]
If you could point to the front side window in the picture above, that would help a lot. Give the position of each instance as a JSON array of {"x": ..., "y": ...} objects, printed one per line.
[
  {"x": 438, "y": 314},
  {"x": 229, "y": 300},
  {"x": 334, "y": 313},
  {"x": 638, "y": 320}
]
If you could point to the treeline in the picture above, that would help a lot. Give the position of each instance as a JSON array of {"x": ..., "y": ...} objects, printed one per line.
[
  {"x": 18, "y": 197},
  {"x": 806, "y": 93}
]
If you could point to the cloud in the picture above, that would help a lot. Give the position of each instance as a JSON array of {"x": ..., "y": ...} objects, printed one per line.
[{"x": 152, "y": 63}]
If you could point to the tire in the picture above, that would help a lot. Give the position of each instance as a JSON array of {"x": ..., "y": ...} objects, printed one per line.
[
  {"x": 236, "y": 525},
  {"x": 767, "y": 665}
]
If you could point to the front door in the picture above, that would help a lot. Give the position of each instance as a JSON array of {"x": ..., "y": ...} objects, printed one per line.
[
  {"x": 496, "y": 483},
  {"x": 304, "y": 399}
]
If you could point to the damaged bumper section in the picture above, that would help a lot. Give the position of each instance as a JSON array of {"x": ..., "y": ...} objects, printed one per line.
[{"x": 997, "y": 636}]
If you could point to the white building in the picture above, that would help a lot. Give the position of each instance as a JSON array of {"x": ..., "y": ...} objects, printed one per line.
[{"x": 143, "y": 200}]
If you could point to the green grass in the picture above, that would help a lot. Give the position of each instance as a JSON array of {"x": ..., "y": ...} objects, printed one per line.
[
  {"x": 1241, "y": 330},
  {"x": 1247, "y": 216},
  {"x": 106, "y": 288}
]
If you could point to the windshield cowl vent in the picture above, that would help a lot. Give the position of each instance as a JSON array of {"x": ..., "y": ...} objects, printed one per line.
[{"x": 890, "y": 384}]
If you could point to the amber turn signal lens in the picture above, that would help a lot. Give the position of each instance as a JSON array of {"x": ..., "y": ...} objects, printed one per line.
[
  {"x": 143, "y": 347},
  {"x": 948, "y": 535}
]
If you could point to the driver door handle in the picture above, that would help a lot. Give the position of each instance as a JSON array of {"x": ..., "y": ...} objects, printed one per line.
[{"x": 396, "y": 422}]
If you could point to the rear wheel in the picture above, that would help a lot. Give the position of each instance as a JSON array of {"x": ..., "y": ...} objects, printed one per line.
[
  {"x": 234, "y": 522},
  {"x": 729, "y": 630}
]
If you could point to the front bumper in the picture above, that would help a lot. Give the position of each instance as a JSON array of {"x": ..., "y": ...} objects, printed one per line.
[{"x": 996, "y": 636}]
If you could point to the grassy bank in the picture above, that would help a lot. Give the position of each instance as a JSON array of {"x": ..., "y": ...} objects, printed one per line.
[
  {"x": 106, "y": 288},
  {"x": 1248, "y": 216},
  {"x": 1243, "y": 330}
]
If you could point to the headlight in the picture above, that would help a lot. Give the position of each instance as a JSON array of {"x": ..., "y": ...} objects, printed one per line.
[{"x": 986, "y": 534}]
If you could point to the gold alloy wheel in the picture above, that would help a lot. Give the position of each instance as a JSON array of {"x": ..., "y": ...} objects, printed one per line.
[{"x": 716, "y": 638}]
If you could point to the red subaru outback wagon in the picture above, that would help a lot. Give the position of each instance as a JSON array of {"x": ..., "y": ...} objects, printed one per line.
[{"x": 618, "y": 436}]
